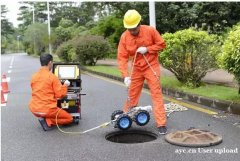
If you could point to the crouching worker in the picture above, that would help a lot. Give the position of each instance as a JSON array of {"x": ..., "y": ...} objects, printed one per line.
[{"x": 46, "y": 89}]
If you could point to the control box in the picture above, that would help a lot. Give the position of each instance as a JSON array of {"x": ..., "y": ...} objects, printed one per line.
[{"x": 72, "y": 101}]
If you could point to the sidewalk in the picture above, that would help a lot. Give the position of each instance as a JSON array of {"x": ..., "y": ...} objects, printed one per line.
[{"x": 219, "y": 76}]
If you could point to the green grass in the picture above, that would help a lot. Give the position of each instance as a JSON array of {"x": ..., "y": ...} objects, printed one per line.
[
  {"x": 170, "y": 82},
  {"x": 112, "y": 70},
  {"x": 207, "y": 90},
  {"x": 215, "y": 91}
]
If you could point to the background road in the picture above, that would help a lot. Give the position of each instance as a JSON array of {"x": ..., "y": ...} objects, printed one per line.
[{"x": 22, "y": 138}]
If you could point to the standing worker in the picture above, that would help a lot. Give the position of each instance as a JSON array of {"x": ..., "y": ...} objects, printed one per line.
[
  {"x": 139, "y": 42},
  {"x": 46, "y": 89}
]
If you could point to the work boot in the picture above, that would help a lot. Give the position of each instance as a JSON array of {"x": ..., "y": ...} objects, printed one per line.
[
  {"x": 162, "y": 130},
  {"x": 43, "y": 123}
]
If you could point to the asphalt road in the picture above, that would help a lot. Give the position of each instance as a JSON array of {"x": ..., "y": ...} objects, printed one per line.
[{"x": 22, "y": 138}]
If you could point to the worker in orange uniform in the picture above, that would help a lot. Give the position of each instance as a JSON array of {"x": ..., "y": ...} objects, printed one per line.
[
  {"x": 142, "y": 40},
  {"x": 46, "y": 89}
]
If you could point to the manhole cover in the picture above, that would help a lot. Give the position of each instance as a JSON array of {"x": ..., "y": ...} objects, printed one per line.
[
  {"x": 129, "y": 137},
  {"x": 193, "y": 138}
]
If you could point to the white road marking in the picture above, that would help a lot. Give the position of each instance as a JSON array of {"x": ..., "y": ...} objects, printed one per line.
[{"x": 11, "y": 64}]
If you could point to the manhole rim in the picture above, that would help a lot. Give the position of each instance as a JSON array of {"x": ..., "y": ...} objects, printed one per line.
[
  {"x": 194, "y": 145},
  {"x": 149, "y": 133}
]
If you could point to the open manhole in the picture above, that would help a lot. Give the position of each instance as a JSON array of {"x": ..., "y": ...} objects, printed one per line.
[
  {"x": 130, "y": 137},
  {"x": 193, "y": 138}
]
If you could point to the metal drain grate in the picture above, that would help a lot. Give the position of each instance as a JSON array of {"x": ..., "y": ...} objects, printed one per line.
[
  {"x": 130, "y": 137},
  {"x": 193, "y": 138}
]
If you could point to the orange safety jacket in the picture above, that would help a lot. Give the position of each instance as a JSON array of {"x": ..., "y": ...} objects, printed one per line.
[
  {"x": 46, "y": 88},
  {"x": 148, "y": 37}
]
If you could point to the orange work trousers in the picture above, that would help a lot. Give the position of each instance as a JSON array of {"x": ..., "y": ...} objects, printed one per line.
[
  {"x": 134, "y": 92},
  {"x": 63, "y": 117}
]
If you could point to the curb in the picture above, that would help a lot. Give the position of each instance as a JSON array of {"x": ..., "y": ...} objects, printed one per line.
[{"x": 226, "y": 106}]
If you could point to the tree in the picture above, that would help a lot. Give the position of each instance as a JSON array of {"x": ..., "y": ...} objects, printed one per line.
[
  {"x": 7, "y": 29},
  {"x": 218, "y": 15},
  {"x": 230, "y": 58},
  {"x": 32, "y": 12},
  {"x": 109, "y": 27},
  {"x": 213, "y": 17},
  {"x": 120, "y": 8},
  {"x": 6, "y": 26},
  {"x": 64, "y": 31},
  {"x": 80, "y": 13},
  {"x": 36, "y": 38},
  {"x": 189, "y": 55},
  {"x": 174, "y": 16}
]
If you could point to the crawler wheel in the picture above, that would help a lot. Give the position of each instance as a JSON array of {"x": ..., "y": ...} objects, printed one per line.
[
  {"x": 124, "y": 122},
  {"x": 117, "y": 112},
  {"x": 142, "y": 117}
]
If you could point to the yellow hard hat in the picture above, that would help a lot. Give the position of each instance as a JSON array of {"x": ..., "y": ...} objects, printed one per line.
[{"x": 131, "y": 19}]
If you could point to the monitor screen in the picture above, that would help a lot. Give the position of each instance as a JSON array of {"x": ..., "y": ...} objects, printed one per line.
[{"x": 66, "y": 72}]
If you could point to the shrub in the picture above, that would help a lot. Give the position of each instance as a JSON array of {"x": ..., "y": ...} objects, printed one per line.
[
  {"x": 63, "y": 31},
  {"x": 86, "y": 49},
  {"x": 63, "y": 34},
  {"x": 110, "y": 27},
  {"x": 67, "y": 30},
  {"x": 65, "y": 23},
  {"x": 190, "y": 54},
  {"x": 63, "y": 51},
  {"x": 230, "y": 57}
]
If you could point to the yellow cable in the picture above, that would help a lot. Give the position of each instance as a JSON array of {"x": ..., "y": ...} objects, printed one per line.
[{"x": 79, "y": 132}]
